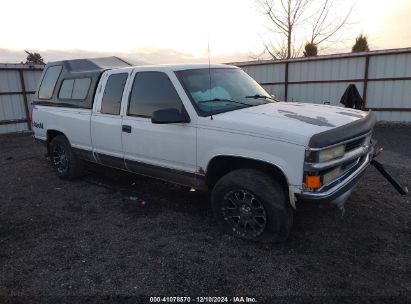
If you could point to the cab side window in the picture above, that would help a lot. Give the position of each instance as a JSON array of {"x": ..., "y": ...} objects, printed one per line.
[
  {"x": 113, "y": 94},
  {"x": 152, "y": 91}
]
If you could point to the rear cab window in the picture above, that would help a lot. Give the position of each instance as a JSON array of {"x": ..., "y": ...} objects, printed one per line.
[{"x": 113, "y": 94}]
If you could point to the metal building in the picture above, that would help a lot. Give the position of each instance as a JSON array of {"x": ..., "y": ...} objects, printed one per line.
[
  {"x": 18, "y": 83},
  {"x": 383, "y": 78}
]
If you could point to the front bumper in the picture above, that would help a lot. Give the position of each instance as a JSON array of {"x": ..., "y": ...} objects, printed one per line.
[{"x": 339, "y": 191}]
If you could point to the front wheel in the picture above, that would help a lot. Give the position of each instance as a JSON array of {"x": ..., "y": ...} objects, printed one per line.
[
  {"x": 252, "y": 206},
  {"x": 64, "y": 161}
]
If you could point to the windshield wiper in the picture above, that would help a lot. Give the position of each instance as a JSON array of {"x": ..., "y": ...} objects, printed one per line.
[
  {"x": 223, "y": 99},
  {"x": 256, "y": 96}
]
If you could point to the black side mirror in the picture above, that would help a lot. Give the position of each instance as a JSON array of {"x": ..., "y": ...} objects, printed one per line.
[{"x": 170, "y": 115}]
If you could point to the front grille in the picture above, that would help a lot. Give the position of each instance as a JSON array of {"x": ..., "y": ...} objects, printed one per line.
[{"x": 354, "y": 144}]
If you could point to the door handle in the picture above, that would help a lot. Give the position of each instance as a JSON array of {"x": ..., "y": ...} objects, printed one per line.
[{"x": 126, "y": 128}]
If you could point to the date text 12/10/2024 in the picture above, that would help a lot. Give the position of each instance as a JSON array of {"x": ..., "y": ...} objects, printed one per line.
[{"x": 239, "y": 299}]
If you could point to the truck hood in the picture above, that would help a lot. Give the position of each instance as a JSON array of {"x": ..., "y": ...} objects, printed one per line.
[{"x": 292, "y": 121}]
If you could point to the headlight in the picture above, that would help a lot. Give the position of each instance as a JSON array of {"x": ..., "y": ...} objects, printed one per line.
[
  {"x": 328, "y": 154},
  {"x": 324, "y": 155}
]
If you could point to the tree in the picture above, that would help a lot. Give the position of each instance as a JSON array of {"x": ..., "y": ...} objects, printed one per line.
[
  {"x": 285, "y": 16},
  {"x": 34, "y": 58},
  {"x": 361, "y": 44},
  {"x": 310, "y": 49}
]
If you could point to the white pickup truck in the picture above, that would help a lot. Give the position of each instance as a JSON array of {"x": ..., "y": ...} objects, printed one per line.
[{"x": 209, "y": 127}]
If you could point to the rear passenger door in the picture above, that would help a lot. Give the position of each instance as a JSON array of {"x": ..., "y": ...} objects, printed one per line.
[
  {"x": 157, "y": 149},
  {"x": 106, "y": 120}
]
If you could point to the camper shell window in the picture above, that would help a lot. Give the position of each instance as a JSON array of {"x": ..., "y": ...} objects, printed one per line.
[
  {"x": 74, "y": 89},
  {"x": 49, "y": 82}
]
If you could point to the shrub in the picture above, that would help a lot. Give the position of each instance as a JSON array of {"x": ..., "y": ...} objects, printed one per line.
[
  {"x": 310, "y": 49},
  {"x": 361, "y": 44}
]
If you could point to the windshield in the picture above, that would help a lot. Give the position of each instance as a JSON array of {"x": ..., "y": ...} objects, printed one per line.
[{"x": 218, "y": 90}]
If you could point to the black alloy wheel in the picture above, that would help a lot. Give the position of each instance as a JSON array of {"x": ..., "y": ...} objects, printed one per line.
[
  {"x": 60, "y": 159},
  {"x": 64, "y": 161},
  {"x": 244, "y": 213},
  {"x": 252, "y": 205}
]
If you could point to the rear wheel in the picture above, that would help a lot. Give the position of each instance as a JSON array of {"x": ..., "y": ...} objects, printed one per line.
[
  {"x": 252, "y": 206},
  {"x": 64, "y": 161}
]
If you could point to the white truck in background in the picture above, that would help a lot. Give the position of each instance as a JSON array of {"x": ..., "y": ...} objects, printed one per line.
[{"x": 210, "y": 127}]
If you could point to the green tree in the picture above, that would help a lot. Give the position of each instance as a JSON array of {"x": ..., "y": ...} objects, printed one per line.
[
  {"x": 310, "y": 49},
  {"x": 34, "y": 58},
  {"x": 361, "y": 44}
]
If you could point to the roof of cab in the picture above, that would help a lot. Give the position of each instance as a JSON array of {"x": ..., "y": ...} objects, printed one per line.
[{"x": 180, "y": 67}]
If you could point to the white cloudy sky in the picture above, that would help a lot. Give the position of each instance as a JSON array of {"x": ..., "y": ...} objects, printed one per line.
[{"x": 165, "y": 31}]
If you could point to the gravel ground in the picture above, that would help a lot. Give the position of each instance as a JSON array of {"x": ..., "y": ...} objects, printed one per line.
[{"x": 116, "y": 234}]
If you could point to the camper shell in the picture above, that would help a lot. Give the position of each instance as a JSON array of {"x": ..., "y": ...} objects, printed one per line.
[{"x": 61, "y": 76}]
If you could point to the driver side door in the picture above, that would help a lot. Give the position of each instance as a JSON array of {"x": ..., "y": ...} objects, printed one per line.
[{"x": 158, "y": 150}]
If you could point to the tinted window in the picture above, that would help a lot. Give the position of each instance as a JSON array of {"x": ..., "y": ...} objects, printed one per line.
[
  {"x": 49, "y": 82},
  {"x": 152, "y": 91},
  {"x": 76, "y": 89},
  {"x": 113, "y": 93},
  {"x": 80, "y": 88},
  {"x": 66, "y": 89}
]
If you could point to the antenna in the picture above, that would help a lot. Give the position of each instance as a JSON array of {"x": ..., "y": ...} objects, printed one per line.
[{"x": 209, "y": 75}]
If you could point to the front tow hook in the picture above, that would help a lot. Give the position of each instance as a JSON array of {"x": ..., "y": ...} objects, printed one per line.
[{"x": 401, "y": 189}]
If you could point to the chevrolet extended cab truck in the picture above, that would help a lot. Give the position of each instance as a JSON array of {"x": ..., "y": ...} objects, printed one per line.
[{"x": 209, "y": 127}]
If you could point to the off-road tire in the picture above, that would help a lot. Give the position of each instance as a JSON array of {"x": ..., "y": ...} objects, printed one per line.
[
  {"x": 64, "y": 162},
  {"x": 256, "y": 191}
]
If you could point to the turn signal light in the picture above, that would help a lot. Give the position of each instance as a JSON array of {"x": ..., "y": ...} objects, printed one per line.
[{"x": 313, "y": 182}]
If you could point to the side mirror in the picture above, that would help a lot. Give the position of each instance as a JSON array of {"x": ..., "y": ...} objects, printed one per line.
[{"x": 170, "y": 115}]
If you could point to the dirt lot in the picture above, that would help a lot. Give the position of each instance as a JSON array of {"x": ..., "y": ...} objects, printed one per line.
[{"x": 112, "y": 233}]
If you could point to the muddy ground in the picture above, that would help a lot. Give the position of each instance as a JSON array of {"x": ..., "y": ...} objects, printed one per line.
[{"x": 116, "y": 234}]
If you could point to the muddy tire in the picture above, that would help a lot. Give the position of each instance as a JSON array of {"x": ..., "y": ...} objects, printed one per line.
[
  {"x": 65, "y": 163},
  {"x": 253, "y": 206}
]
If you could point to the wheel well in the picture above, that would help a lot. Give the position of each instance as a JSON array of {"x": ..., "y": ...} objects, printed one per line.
[
  {"x": 50, "y": 135},
  {"x": 221, "y": 165}
]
